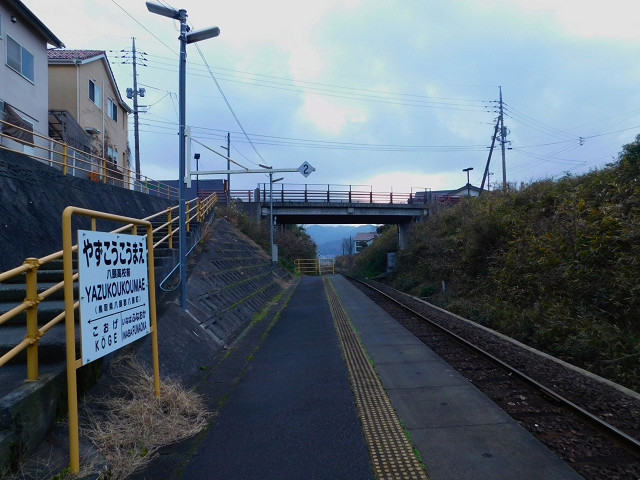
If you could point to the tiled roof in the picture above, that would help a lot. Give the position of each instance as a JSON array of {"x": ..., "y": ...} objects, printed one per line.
[
  {"x": 73, "y": 54},
  {"x": 365, "y": 236}
]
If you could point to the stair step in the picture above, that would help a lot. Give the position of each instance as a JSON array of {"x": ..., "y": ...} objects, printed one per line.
[
  {"x": 16, "y": 292},
  {"x": 43, "y": 276},
  {"x": 47, "y": 310},
  {"x": 51, "y": 347}
]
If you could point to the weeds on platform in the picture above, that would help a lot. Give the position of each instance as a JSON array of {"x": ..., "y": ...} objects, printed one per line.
[{"x": 130, "y": 425}]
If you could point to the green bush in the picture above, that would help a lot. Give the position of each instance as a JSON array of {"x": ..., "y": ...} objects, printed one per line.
[
  {"x": 554, "y": 264},
  {"x": 292, "y": 240},
  {"x": 372, "y": 261}
]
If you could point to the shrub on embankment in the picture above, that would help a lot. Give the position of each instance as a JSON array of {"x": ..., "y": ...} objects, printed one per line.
[
  {"x": 555, "y": 265},
  {"x": 292, "y": 240},
  {"x": 372, "y": 261}
]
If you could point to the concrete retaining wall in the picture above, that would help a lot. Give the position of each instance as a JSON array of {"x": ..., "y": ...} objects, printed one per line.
[{"x": 33, "y": 196}]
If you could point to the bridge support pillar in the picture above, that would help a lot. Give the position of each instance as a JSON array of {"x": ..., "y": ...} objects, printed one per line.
[{"x": 403, "y": 232}]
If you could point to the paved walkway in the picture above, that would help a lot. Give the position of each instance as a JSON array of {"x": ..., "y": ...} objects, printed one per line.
[{"x": 292, "y": 415}]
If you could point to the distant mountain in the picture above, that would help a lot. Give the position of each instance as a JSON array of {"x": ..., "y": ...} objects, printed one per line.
[{"x": 329, "y": 238}]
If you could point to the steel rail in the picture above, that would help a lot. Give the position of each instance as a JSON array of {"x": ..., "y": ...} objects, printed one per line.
[{"x": 619, "y": 435}]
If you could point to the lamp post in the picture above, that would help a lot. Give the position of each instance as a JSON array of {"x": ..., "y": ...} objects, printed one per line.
[
  {"x": 185, "y": 37},
  {"x": 468, "y": 184},
  {"x": 271, "y": 182}
]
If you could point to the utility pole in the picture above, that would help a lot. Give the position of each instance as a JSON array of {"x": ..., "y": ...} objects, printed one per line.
[
  {"x": 493, "y": 142},
  {"x": 503, "y": 141},
  {"x": 228, "y": 149},
  {"x": 133, "y": 93}
]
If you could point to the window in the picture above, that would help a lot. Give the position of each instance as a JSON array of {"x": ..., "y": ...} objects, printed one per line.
[
  {"x": 20, "y": 59},
  {"x": 94, "y": 93},
  {"x": 112, "y": 154},
  {"x": 112, "y": 109}
]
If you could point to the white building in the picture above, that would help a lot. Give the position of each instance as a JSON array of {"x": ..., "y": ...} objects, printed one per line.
[{"x": 24, "y": 78}]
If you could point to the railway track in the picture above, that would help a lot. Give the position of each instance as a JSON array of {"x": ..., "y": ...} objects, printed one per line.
[{"x": 592, "y": 424}]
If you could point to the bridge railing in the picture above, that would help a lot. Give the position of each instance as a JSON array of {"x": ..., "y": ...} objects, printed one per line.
[{"x": 337, "y": 194}]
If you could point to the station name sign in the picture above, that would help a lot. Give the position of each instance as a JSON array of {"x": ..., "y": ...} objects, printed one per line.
[{"x": 113, "y": 289}]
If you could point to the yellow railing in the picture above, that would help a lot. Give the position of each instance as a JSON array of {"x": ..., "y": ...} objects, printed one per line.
[
  {"x": 198, "y": 211},
  {"x": 315, "y": 266},
  {"x": 76, "y": 162},
  {"x": 326, "y": 266},
  {"x": 73, "y": 363}
]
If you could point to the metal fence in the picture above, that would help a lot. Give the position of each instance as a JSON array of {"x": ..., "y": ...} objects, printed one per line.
[
  {"x": 315, "y": 266},
  {"x": 78, "y": 162}
]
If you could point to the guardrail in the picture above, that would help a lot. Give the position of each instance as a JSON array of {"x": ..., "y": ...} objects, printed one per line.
[
  {"x": 83, "y": 164},
  {"x": 241, "y": 195},
  {"x": 197, "y": 210},
  {"x": 339, "y": 194},
  {"x": 315, "y": 266}
]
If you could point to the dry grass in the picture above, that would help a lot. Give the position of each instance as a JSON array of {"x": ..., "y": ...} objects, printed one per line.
[{"x": 129, "y": 426}]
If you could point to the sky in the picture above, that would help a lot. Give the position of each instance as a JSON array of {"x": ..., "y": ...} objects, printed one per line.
[{"x": 392, "y": 94}]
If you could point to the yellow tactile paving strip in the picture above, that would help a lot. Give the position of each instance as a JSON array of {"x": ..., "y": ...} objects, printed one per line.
[{"x": 391, "y": 453}]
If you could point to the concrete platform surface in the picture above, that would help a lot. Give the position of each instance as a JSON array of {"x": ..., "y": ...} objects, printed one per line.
[
  {"x": 292, "y": 415},
  {"x": 458, "y": 431}
]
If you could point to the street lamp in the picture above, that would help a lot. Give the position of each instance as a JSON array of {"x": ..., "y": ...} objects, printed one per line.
[
  {"x": 271, "y": 182},
  {"x": 468, "y": 184},
  {"x": 185, "y": 38}
]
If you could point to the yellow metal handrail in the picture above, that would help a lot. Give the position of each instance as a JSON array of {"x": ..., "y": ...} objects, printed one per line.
[
  {"x": 315, "y": 266},
  {"x": 326, "y": 266},
  {"x": 33, "y": 299},
  {"x": 95, "y": 167},
  {"x": 70, "y": 305}
]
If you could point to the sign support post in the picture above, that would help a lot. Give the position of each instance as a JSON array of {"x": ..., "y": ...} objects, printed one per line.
[{"x": 120, "y": 255}]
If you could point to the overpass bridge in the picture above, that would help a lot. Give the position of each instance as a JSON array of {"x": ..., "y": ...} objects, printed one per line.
[{"x": 339, "y": 204}]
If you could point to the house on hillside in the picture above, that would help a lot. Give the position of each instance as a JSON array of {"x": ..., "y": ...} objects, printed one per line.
[
  {"x": 84, "y": 100},
  {"x": 453, "y": 196},
  {"x": 363, "y": 240},
  {"x": 24, "y": 80},
  {"x": 467, "y": 190}
]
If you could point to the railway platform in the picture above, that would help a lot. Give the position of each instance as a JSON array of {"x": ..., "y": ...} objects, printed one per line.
[{"x": 339, "y": 390}]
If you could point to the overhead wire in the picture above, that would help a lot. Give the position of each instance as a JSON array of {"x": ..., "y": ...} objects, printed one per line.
[{"x": 233, "y": 113}]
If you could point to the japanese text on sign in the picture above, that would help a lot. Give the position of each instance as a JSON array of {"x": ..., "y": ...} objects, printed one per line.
[{"x": 113, "y": 289}]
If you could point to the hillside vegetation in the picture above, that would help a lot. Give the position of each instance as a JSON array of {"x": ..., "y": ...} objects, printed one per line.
[
  {"x": 292, "y": 240},
  {"x": 554, "y": 265}
]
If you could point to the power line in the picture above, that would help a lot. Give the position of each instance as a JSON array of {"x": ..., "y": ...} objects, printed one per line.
[
  {"x": 229, "y": 105},
  {"x": 291, "y": 84},
  {"x": 145, "y": 28}
]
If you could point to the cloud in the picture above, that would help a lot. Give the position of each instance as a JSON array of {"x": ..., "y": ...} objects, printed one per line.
[
  {"x": 328, "y": 116},
  {"x": 591, "y": 18},
  {"x": 407, "y": 181}
]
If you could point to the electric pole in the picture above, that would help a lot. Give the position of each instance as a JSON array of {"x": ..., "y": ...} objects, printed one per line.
[
  {"x": 493, "y": 142},
  {"x": 133, "y": 93},
  {"x": 503, "y": 141},
  {"x": 228, "y": 149}
]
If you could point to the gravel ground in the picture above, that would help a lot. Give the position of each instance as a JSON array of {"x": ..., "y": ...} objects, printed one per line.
[{"x": 590, "y": 453}]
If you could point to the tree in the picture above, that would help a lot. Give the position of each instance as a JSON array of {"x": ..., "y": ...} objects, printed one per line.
[{"x": 348, "y": 246}]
